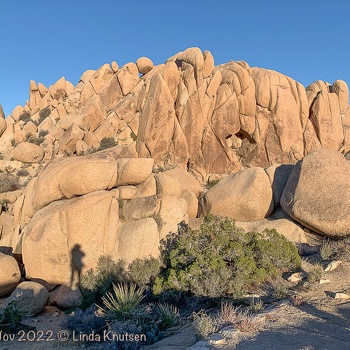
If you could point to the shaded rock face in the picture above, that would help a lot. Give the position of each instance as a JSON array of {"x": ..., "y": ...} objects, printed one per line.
[
  {"x": 317, "y": 193},
  {"x": 208, "y": 119},
  {"x": 30, "y": 297}
]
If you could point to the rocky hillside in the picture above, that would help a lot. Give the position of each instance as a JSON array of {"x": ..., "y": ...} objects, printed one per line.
[{"x": 208, "y": 119}]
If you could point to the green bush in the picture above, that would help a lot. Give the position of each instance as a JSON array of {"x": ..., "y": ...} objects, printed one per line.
[
  {"x": 221, "y": 260},
  {"x": 107, "y": 142},
  {"x": 95, "y": 283},
  {"x": 144, "y": 271}
]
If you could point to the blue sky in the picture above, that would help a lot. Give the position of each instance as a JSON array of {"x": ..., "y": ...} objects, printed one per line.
[{"x": 45, "y": 40}]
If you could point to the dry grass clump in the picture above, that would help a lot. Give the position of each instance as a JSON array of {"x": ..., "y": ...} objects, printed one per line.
[
  {"x": 243, "y": 320},
  {"x": 204, "y": 324}
]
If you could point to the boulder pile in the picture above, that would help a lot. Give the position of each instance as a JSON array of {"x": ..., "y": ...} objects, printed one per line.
[
  {"x": 113, "y": 165},
  {"x": 208, "y": 119}
]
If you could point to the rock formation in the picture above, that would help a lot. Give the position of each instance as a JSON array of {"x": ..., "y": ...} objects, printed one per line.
[
  {"x": 208, "y": 119},
  {"x": 111, "y": 166}
]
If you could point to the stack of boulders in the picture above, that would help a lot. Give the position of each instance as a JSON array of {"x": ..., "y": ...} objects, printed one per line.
[
  {"x": 188, "y": 112},
  {"x": 108, "y": 204},
  {"x": 177, "y": 126}
]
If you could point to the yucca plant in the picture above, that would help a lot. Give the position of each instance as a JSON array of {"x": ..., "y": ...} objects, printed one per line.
[
  {"x": 123, "y": 303},
  {"x": 168, "y": 314}
]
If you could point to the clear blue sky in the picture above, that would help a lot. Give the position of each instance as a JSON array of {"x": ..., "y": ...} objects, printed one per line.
[{"x": 45, "y": 40}]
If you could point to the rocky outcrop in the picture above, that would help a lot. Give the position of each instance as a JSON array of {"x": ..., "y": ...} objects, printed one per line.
[
  {"x": 207, "y": 119},
  {"x": 317, "y": 193}
]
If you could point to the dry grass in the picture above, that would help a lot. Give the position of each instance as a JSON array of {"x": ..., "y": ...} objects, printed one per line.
[
  {"x": 243, "y": 320},
  {"x": 204, "y": 324},
  {"x": 315, "y": 273}
]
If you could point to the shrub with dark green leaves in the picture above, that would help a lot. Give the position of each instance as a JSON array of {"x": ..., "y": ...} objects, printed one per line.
[{"x": 221, "y": 259}]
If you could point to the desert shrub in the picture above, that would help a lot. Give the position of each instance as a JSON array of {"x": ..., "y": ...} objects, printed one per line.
[
  {"x": 43, "y": 133},
  {"x": 204, "y": 324},
  {"x": 315, "y": 273},
  {"x": 35, "y": 140},
  {"x": 126, "y": 305},
  {"x": 279, "y": 291},
  {"x": 10, "y": 317},
  {"x": 25, "y": 116},
  {"x": 85, "y": 321},
  {"x": 8, "y": 182},
  {"x": 256, "y": 306},
  {"x": 220, "y": 259},
  {"x": 144, "y": 271},
  {"x": 43, "y": 114},
  {"x": 97, "y": 282},
  {"x": 107, "y": 142},
  {"x": 342, "y": 249},
  {"x": 22, "y": 172},
  {"x": 327, "y": 249}
]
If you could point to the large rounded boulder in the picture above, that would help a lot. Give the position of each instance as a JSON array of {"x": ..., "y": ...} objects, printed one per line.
[
  {"x": 317, "y": 193},
  {"x": 27, "y": 152},
  {"x": 244, "y": 196}
]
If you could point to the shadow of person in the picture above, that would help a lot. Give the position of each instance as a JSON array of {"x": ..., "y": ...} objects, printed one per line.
[{"x": 77, "y": 265}]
